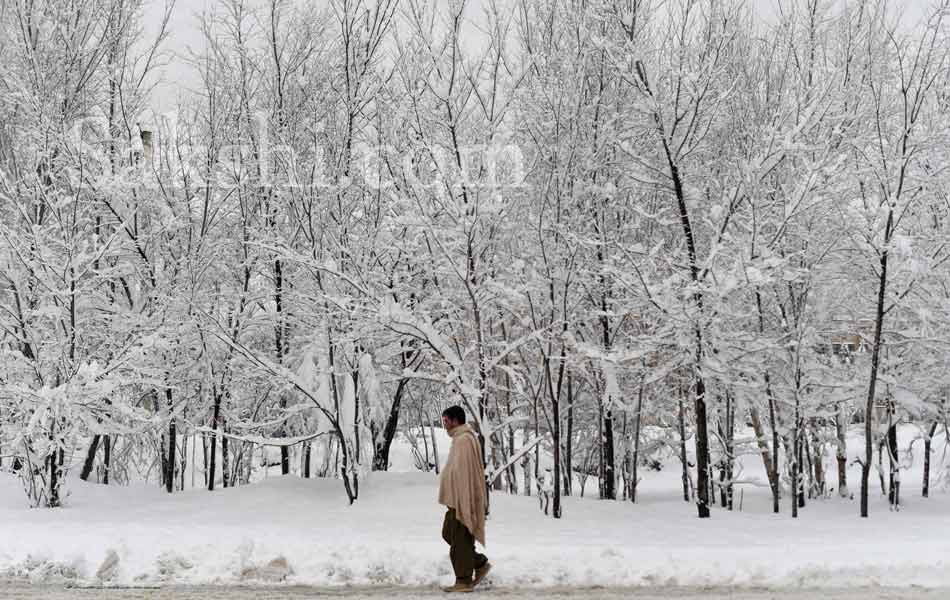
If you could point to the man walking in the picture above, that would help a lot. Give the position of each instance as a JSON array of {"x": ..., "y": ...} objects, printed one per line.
[{"x": 462, "y": 490}]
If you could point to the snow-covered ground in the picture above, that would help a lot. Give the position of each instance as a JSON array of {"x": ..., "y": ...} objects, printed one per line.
[
  {"x": 391, "y": 536},
  {"x": 24, "y": 592}
]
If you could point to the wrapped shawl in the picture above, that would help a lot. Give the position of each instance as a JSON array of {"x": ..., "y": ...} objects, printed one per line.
[{"x": 462, "y": 483}]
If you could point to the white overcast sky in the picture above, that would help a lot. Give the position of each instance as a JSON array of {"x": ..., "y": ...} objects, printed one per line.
[{"x": 177, "y": 77}]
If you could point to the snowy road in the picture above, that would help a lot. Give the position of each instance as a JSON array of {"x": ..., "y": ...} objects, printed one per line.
[{"x": 22, "y": 592}]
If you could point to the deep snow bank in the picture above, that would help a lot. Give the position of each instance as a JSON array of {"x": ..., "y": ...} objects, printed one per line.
[{"x": 391, "y": 536}]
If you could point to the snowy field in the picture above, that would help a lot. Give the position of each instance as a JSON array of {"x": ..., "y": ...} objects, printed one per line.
[
  {"x": 387, "y": 593},
  {"x": 391, "y": 537}
]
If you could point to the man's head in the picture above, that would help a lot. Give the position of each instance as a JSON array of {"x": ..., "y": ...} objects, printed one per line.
[{"x": 452, "y": 417}]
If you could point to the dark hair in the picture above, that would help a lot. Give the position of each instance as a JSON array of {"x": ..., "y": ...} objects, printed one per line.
[{"x": 456, "y": 413}]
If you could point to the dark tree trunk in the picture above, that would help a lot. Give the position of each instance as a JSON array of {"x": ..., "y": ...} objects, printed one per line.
[
  {"x": 279, "y": 343},
  {"x": 215, "y": 422},
  {"x": 925, "y": 489},
  {"x": 435, "y": 448},
  {"x": 841, "y": 451},
  {"x": 569, "y": 442},
  {"x": 601, "y": 473},
  {"x": 424, "y": 426},
  {"x": 768, "y": 457},
  {"x": 204, "y": 456},
  {"x": 723, "y": 499},
  {"x": 556, "y": 416},
  {"x": 793, "y": 456},
  {"x": 239, "y": 477},
  {"x": 610, "y": 491},
  {"x": 184, "y": 460},
  {"x": 702, "y": 449},
  {"x": 723, "y": 459},
  {"x": 52, "y": 465},
  {"x": 773, "y": 422},
  {"x": 766, "y": 453},
  {"x": 730, "y": 450},
  {"x": 512, "y": 474},
  {"x": 170, "y": 454},
  {"x": 683, "y": 459},
  {"x": 537, "y": 449},
  {"x": 284, "y": 460},
  {"x": 726, "y": 433},
  {"x": 702, "y": 434},
  {"x": 90, "y": 461},
  {"x": 802, "y": 440},
  {"x": 808, "y": 459},
  {"x": 306, "y": 460},
  {"x": 382, "y": 447},
  {"x": 106, "y": 458},
  {"x": 880, "y": 466},
  {"x": 894, "y": 480},
  {"x": 607, "y": 434},
  {"x": 819, "y": 467},
  {"x": 163, "y": 448},
  {"x": 497, "y": 451},
  {"x": 526, "y": 468},
  {"x": 170, "y": 458},
  {"x": 608, "y": 459},
  {"x": 554, "y": 390},
  {"x": 508, "y": 435},
  {"x": 225, "y": 462},
  {"x": 875, "y": 364}
]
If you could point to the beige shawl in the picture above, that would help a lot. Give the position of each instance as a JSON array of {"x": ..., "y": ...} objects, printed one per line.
[{"x": 462, "y": 483}]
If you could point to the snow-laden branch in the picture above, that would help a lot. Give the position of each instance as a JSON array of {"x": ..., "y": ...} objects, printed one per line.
[
  {"x": 261, "y": 440},
  {"x": 528, "y": 447}
]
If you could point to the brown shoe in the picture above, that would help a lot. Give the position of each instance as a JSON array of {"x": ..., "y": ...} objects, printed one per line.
[
  {"x": 481, "y": 573},
  {"x": 462, "y": 587}
]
